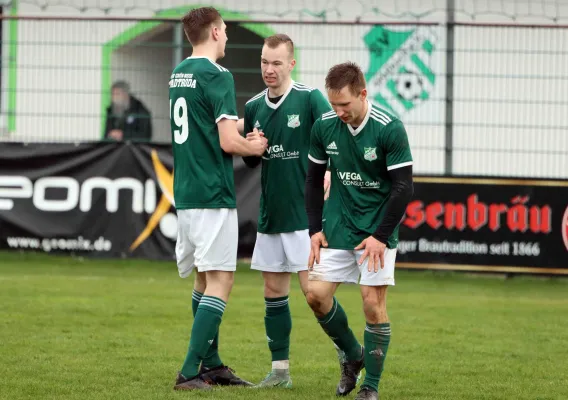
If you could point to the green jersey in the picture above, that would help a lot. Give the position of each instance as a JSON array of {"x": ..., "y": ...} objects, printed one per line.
[
  {"x": 360, "y": 183},
  {"x": 201, "y": 94},
  {"x": 287, "y": 125}
]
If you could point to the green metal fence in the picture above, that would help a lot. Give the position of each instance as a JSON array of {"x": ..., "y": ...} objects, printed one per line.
[{"x": 476, "y": 99}]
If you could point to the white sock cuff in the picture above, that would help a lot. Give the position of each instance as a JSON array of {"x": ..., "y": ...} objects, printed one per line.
[{"x": 282, "y": 364}]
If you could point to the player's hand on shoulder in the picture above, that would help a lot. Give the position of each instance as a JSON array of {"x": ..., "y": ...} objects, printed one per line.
[{"x": 374, "y": 251}]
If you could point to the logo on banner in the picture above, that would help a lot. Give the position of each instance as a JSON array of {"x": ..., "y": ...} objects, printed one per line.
[
  {"x": 77, "y": 195},
  {"x": 474, "y": 214},
  {"x": 161, "y": 216},
  {"x": 401, "y": 75},
  {"x": 565, "y": 228}
]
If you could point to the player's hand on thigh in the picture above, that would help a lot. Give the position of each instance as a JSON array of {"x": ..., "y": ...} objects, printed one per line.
[
  {"x": 375, "y": 251},
  {"x": 317, "y": 241}
]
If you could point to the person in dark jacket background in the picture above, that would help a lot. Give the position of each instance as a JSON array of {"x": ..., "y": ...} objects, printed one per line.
[{"x": 127, "y": 117}]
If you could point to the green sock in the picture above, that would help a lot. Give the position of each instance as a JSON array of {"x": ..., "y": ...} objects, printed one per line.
[
  {"x": 212, "y": 359},
  {"x": 377, "y": 338},
  {"x": 195, "y": 299},
  {"x": 278, "y": 323},
  {"x": 337, "y": 328},
  {"x": 205, "y": 327}
]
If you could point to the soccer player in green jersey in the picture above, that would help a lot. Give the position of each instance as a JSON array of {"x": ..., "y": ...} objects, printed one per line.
[
  {"x": 285, "y": 112},
  {"x": 203, "y": 115},
  {"x": 355, "y": 239}
]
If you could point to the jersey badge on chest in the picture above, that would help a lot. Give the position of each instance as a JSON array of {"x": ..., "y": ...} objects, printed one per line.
[
  {"x": 293, "y": 121},
  {"x": 370, "y": 153}
]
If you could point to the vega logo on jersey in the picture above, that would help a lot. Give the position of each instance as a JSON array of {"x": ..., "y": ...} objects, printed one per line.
[
  {"x": 277, "y": 151},
  {"x": 400, "y": 75},
  {"x": 355, "y": 179}
]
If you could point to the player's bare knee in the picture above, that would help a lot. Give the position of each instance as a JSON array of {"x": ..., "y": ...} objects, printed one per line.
[
  {"x": 220, "y": 283},
  {"x": 319, "y": 301},
  {"x": 374, "y": 304},
  {"x": 320, "y": 297},
  {"x": 314, "y": 301},
  {"x": 375, "y": 313},
  {"x": 228, "y": 279},
  {"x": 276, "y": 284}
]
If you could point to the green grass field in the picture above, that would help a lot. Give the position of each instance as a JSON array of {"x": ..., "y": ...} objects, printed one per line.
[{"x": 75, "y": 329}]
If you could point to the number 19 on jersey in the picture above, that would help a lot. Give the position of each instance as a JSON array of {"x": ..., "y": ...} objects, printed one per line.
[{"x": 180, "y": 120}]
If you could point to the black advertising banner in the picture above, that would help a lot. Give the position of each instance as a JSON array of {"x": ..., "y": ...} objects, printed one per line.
[
  {"x": 116, "y": 200},
  {"x": 503, "y": 225},
  {"x": 101, "y": 199}
]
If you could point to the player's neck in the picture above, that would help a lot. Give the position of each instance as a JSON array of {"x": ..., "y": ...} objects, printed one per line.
[
  {"x": 361, "y": 117},
  {"x": 280, "y": 90},
  {"x": 205, "y": 51}
]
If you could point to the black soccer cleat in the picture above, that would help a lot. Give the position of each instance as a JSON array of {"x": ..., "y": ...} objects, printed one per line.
[
  {"x": 222, "y": 376},
  {"x": 350, "y": 371},
  {"x": 196, "y": 383},
  {"x": 367, "y": 394}
]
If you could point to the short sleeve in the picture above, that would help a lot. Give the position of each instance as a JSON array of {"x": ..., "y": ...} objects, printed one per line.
[
  {"x": 397, "y": 148},
  {"x": 317, "y": 152},
  {"x": 220, "y": 92},
  {"x": 318, "y": 104}
]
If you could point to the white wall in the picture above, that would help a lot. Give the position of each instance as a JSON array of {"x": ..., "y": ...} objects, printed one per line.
[{"x": 510, "y": 93}]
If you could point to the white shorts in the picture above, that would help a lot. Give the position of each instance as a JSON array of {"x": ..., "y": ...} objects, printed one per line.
[
  {"x": 341, "y": 266},
  {"x": 281, "y": 252},
  {"x": 207, "y": 239}
]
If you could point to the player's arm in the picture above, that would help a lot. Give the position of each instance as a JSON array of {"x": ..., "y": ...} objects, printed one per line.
[
  {"x": 399, "y": 166},
  {"x": 220, "y": 92},
  {"x": 319, "y": 105},
  {"x": 241, "y": 126},
  {"x": 401, "y": 192},
  {"x": 233, "y": 143},
  {"x": 314, "y": 188},
  {"x": 314, "y": 195},
  {"x": 251, "y": 161}
]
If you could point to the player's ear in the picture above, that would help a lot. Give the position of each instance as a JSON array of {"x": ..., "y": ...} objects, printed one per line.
[
  {"x": 292, "y": 64},
  {"x": 215, "y": 31},
  {"x": 363, "y": 94}
]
